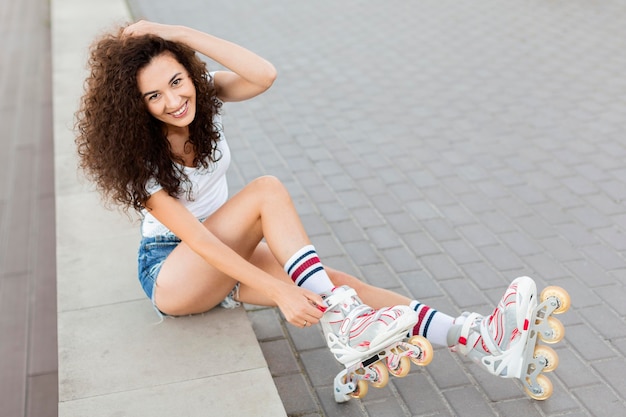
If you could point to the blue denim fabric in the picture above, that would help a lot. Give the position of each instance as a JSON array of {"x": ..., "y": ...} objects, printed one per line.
[{"x": 152, "y": 254}]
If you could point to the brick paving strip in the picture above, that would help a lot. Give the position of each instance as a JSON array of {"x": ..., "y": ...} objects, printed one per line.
[{"x": 28, "y": 340}]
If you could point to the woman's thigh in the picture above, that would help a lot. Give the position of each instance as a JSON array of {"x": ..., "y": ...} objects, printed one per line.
[{"x": 186, "y": 283}]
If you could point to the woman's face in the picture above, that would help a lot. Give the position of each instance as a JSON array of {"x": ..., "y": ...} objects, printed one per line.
[{"x": 168, "y": 91}]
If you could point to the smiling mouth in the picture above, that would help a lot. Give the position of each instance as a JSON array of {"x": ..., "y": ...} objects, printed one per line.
[{"x": 181, "y": 111}]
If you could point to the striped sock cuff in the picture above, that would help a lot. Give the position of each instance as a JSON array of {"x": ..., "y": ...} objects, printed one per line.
[
  {"x": 425, "y": 317},
  {"x": 303, "y": 264}
]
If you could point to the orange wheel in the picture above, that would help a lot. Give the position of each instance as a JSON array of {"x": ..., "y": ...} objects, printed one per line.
[
  {"x": 361, "y": 389},
  {"x": 560, "y": 294},
  {"x": 383, "y": 375},
  {"x": 558, "y": 331},
  {"x": 427, "y": 350},
  {"x": 552, "y": 359},
  {"x": 546, "y": 389},
  {"x": 404, "y": 366}
]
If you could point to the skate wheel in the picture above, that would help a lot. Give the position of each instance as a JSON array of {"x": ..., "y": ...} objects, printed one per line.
[
  {"x": 427, "y": 350},
  {"x": 404, "y": 366},
  {"x": 560, "y": 294},
  {"x": 552, "y": 359},
  {"x": 361, "y": 389},
  {"x": 546, "y": 389},
  {"x": 558, "y": 331},
  {"x": 383, "y": 375}
]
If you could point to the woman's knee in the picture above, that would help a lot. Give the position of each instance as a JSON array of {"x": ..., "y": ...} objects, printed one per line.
[{"x": 269, "y": 185}]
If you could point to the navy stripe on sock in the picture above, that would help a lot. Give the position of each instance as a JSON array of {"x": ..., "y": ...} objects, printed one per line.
[
  {"x": 307, "y": 254},
  {"x": 430, "y": 318},
  {"x": 307, "y": 276}
]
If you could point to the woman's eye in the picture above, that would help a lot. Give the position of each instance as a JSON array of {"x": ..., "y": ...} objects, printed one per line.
[
  {"x": 153, "y": 97},
  {"x": 177, "y": 81}
]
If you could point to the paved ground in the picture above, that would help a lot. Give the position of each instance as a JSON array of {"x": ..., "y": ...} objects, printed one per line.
[
  {"x": 28, "y": 339},
  {"x": 435, "y": 147},
  {"x": 442, "y": 148}
]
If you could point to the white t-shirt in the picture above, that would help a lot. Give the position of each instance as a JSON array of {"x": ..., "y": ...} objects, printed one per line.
[{"x": 209, "y": 188}]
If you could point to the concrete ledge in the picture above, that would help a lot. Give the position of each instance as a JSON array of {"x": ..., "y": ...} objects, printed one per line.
[{"x": 115, "y": 358}]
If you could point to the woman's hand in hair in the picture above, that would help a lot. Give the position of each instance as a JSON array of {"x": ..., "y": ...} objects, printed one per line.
[{"x": 144, "y": 27}]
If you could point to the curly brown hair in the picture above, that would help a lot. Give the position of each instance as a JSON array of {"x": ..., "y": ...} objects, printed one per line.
[{"x": 120, "y": 145}]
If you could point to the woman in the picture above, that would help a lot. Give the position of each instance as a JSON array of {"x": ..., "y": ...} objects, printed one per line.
[{"x": 150, "y": 137}]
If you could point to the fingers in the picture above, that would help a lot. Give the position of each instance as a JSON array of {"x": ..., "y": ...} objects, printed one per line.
[
  {"x": 142, "y": 27},
  {"x": 304, "y": 323},
  {"x": 312, "y": 310},
  {"x": 316, "y": 301}
]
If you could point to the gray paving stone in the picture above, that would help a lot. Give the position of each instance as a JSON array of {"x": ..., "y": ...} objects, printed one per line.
[
  {"x": 518, "y": 408},
  {"x": 575, "y": 370},
  {"x": 495, "y": 389},
  {"x": 420, "y": 396},
  {"x": 614, "y": 296},
  {"x": 445, "y": 370},
  {"x": 560, "y": 249},
  {"x": 478, "y": 235},
  {"x": 550, "y": 269},
  {"x": 613, "y": 371},
  {"x": 279, "y": 357},
  {"x": 421, "y": 243},
  {"x": 295, "y": 395},
  {"x": 461, "y": 252},
  {"x": 468, "y": 402},
  {"x": 606, "y": 257},
  {"x": 589, "y": 344},
  {"x": 363, "y": 253},
  {"x": 463, "y": 293},
  {"x": 421, "y": 285},
  {"x": 501, "y": 257},
  {"x": 602, "y": 401},
  {"x": 484, "y": 276},
  {"x": 605, "y": 321},
  {"x": 400, "y": 259},
  {"x": 440, "y": 266},
  {"x": 331, "y": 408},
  {"x": 590, "y": 273},
  {"x": 306, "y": 339},
  {"x": 320, "y": 366},
  {"x": 389, "y": 408}
]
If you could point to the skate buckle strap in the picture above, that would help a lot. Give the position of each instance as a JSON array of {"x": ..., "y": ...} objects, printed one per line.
[
  {"x": 464, "y": 341},
  {"x": 465, "y": 330},
  {"x": 337, "y": 297}
]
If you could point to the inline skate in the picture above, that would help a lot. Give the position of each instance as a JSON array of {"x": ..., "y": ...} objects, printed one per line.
[
  {"x": 370, "y": 343},
  {"x": 506, "y": 342}
]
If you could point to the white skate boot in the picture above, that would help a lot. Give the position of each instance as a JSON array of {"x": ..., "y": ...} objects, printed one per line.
[
  {"x": 369, "y": 343},
  {"x": 505, "y": 343}
]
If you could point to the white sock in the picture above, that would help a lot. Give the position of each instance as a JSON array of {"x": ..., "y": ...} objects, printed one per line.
[
  {"x": 431, "y": 324},
  {"x": 307, "y": 271}
]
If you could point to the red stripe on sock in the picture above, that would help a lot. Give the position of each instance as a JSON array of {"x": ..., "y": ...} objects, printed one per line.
[
  {"x": 422, "y": 314},
  {"x": 305, "y": 265}
]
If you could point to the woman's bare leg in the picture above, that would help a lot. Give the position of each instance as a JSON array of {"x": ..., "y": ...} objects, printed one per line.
[
  {"x": 263, "y": 209},
  {"x": 373, "y": 296}
]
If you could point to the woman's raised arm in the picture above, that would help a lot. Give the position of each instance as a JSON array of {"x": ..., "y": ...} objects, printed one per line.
[{"x": 251, "y": 75}]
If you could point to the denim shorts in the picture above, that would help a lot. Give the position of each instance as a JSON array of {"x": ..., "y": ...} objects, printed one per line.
[{"x": 153, "y": 251}]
